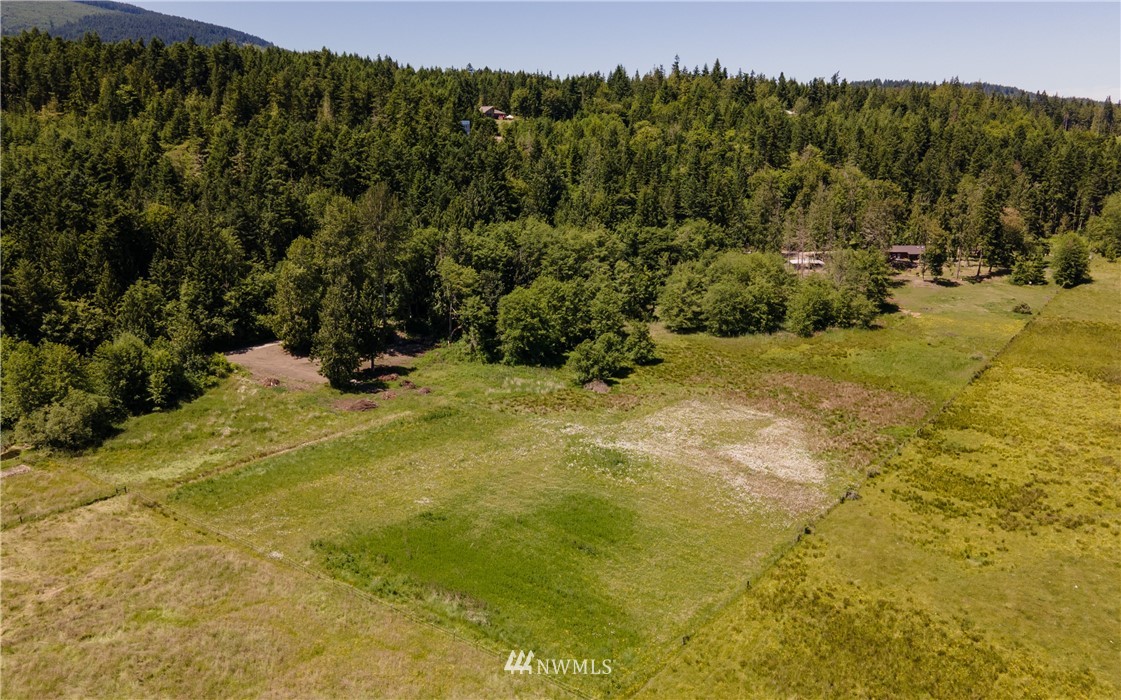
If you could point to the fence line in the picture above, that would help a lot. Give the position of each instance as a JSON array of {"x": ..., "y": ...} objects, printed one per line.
[{"x": 783, "y": 549}]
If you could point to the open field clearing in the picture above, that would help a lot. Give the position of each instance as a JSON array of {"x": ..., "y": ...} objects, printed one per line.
[
  {"x": 337, "y": 374},
  {"x": 117, "y": 600},
  {"x": 518, "y": 510},
  {"x": 984, "y": 561}
]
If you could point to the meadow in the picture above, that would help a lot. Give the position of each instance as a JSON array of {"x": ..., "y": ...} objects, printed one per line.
[
  {"x": 511, "y": 509},
  {"x": 985, "y": 560}
]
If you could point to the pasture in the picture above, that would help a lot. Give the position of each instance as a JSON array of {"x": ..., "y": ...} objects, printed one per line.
[
  {"x": 508, "y": 509},
  {"x": 984, "y": 561}
]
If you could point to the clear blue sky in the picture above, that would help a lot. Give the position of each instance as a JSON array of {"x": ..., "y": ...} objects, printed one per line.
[{"x": 1070, "y": 49}]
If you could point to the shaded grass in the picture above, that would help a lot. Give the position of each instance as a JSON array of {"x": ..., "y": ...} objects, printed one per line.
[{"x": 986, "y": 561}]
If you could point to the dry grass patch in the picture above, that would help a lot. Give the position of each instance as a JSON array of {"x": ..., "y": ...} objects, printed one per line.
[
  {"x": 141, "y": 607},
  {"x": 763, "y": 461},
  {"x": 45, "y": 489}
]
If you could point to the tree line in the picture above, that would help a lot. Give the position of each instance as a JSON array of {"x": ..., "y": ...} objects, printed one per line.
[{"x": 162, "y": 202}]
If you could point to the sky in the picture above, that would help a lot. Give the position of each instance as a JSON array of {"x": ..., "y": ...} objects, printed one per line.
[{"x": 1071, "y": 49}]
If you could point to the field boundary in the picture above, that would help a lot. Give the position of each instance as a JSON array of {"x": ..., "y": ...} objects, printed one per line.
[
  {"x": 781, "y": 550},
  {"x": 21, "y": 519},
  {"x": 245, "y": 545},
  {"x": 260, "y": 455}
]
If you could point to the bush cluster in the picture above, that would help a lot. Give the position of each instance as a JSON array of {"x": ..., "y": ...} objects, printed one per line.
[
  {"x": 579, "y": 322},
  {"x": 54, "y": 397},
  {"x": 732, "y": 294},
  {"x": 739, "y": 293},
  {"x": 1070, "y": 260},
  {"x": 1029, "y": 270}
]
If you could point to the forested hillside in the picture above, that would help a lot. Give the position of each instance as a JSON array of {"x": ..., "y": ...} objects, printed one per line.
[
  {"x": 113, "y": 21},
  {"x": 164, "y": 201}
]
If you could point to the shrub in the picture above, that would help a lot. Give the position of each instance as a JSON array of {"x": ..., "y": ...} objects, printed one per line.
[
  {"x": 1104, "y": 230},
  {"x": 733, "y": 266},
  {"x": 681, "y": 303},
  {"x": 751, "y": 268},
  {"x": 23, "y": 387},
  {"x": 598, "y": 359},
  {"x": 853, "y": 310},
  {"x": 166, "y": 383},
  {"x": 78, "y": 420},
  {"x": 639, "y": 347},
  {"x": 1070, "y": 260},
  {"x": 865, "y": 271},
  {"x": 728, "y": 308},
  {"x": 35, "y": 376},
  {"x": 1021, "y": 308},
  {"x": 119, "y": 373},
  {"x": 1028, "y": 271},
  {"x": 607, "y": 312},
  {"x": 732, "y": 308},
  {"x": 768, "y": 307},
  {"x": 811, "y": 307},
  {"x": 539, "y": 323}
]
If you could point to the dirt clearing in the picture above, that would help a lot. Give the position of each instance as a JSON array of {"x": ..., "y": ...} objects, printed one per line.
[
  {"x": 764, "y": 460},
  {"x": 272, "y": 362}
]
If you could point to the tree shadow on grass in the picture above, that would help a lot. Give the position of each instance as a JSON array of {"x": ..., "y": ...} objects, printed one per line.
[{"x": 377, "y": 378}]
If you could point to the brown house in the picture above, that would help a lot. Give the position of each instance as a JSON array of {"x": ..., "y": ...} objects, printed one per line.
[
  {"x": 492, "y": 112},
  {"x": 905, "y": 253}
]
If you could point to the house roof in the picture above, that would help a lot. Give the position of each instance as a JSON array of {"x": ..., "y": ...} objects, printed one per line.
[
  {"x": 806, "y": 259},
  {"x": 908, "y": 249}
]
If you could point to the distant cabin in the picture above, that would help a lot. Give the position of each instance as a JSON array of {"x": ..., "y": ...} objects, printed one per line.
[
  {"x": 804, "y": 261},
  {"x": 905, "y": 253},
  {"x": 494, "y": 112}
]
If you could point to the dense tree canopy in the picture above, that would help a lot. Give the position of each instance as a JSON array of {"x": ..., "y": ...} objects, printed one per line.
[{"x": 165, "y": 201}]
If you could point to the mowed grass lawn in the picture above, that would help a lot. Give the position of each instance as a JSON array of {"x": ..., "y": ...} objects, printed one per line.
[
  {"x": 984, "y": 562},
  {"x": 526, "y": 513}
]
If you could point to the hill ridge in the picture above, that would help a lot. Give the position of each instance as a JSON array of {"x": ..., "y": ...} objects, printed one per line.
[{"x": 114, "y": 21}]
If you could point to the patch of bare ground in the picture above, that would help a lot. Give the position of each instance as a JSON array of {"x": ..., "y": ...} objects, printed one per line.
[
  {"x": 844, "y": 418},
  {"x": 15, "y": 471},
  {"x": 271, "y": 364},
  {"x": 763, "y": 460}
]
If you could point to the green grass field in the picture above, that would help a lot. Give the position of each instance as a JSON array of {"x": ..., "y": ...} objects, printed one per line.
[
  {"x": 984, "y": 561},
  {"x": 520, "y": 512}
]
